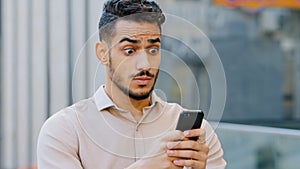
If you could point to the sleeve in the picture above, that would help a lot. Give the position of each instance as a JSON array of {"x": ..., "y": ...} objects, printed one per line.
[
  {"x": 57, "y": 146},
  {"x": 215, "y": 155}
]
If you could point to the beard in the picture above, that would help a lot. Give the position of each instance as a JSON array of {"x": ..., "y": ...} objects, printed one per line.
[
  {"x": 134, "y": 95},
  {"x": 117, "y": 80}
]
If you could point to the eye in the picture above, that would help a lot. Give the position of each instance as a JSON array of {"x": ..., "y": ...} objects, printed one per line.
[
  {"x": 129, "y": 51},
  {"x": 153, "y": 51}
]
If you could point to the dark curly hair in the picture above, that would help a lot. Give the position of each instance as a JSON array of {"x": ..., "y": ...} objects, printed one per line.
[{"x": 135, "y": 10}]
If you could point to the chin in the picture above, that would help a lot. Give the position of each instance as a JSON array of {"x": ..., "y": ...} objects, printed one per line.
[{"x": 140, "y": 95}]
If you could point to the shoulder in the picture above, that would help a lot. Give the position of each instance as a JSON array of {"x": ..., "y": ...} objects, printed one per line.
[
  {"x": 59, "y": 138},
  {"x": 65, "y": 120}
]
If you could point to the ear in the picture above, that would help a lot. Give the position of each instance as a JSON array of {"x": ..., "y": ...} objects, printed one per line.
[{"x": 102, "y": 52}]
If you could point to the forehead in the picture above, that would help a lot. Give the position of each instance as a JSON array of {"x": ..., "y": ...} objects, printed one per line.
[{"x": 135, "y": 30}]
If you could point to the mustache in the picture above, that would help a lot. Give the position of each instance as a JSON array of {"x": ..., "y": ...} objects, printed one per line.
[{"x": 144, "y": 73}]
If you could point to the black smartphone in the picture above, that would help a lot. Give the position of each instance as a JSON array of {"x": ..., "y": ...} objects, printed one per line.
[{"x": 190, "y": 119}]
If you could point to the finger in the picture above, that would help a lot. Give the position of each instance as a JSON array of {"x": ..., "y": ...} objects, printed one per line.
[
  {"x": 184, "y": 145},
  {"x": 201, "y": 133},
  {"x": 187, "y": 154},
  {"x": 172, "y": 159},
  {"x": 191, "y": 163},
  {"x": 188, "y": 145}
]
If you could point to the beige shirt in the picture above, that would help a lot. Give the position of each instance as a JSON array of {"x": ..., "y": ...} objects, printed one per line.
[{"x": 96, "y": 134}]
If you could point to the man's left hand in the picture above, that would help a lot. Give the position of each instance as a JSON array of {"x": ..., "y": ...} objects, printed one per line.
[{"x": 190, "y": 153}]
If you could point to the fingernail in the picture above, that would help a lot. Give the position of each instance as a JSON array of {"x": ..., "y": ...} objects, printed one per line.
[
  {"x": 170, "y": 152},
  {"x": 171, "y": 144},
  {"x": 177, "y": 162},
  {"x": 186, "y": 133}
]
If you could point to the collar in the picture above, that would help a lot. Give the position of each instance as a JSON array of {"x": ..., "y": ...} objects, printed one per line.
[{"x": 103, "y": 101}]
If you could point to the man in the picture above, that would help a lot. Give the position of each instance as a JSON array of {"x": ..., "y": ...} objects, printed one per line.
[{"x": 125, "y": 125}]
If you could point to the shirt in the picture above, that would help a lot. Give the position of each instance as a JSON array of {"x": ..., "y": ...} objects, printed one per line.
[{"x": 96, "y": 134}]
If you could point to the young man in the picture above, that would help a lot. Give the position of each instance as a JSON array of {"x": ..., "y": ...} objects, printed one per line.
[{"x": 125, "y": 125}]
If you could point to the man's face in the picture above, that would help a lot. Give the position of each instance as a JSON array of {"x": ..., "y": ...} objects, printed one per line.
[{"x": 134, "y": 58}]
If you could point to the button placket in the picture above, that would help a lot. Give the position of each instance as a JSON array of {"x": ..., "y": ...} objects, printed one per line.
[{"x": 139, "y": 141}]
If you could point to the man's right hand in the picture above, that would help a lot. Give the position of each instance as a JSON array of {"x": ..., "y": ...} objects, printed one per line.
[{"x": 158, "y": 157}]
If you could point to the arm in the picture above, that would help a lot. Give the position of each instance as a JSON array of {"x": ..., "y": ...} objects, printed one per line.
[
  {"x": 215, "y": 156},
  {"x": 57, "y": 144}
]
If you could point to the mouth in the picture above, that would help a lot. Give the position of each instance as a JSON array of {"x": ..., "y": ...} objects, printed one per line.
[{"x": 142, "y": 80}]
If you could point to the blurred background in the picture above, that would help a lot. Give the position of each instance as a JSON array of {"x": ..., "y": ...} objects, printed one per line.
[{"x": 258, "y": 43}]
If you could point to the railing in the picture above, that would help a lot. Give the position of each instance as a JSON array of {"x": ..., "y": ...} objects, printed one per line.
[{"x": 255, "y": 147}]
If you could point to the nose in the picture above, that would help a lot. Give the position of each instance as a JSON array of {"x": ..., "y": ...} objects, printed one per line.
[{"x": 143, "y": 61}]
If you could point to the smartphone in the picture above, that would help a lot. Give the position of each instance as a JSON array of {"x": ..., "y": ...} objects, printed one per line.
[{"x": 190, "y": 119}]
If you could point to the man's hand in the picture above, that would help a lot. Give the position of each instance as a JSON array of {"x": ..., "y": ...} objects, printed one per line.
[
  {"x": 190, "y": 153},
  {"x": 158, "y": 157}
]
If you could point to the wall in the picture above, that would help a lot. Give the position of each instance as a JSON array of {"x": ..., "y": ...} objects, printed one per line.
[{"x": 40, "y": 45}]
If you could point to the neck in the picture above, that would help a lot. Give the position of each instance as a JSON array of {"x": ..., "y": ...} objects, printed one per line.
[{"x": 123, "y": 101}]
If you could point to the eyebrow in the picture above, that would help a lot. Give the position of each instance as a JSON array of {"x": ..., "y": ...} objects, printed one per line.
[
  {"x": 154, "y": 40},
  {"x": 129, "y": 40},
  {"x": 138, "y": 41}
]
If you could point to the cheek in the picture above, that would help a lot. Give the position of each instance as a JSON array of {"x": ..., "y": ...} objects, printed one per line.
[
  {"x": 155, "y": 62},
  {"x": 116, "y": 59},
  {"x": 123, "y": 66}
]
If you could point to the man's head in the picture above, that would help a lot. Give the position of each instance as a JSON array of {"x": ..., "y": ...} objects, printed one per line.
[
  {"x": 129, "y": 47},
  {"x": 134, "y": 10}
]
